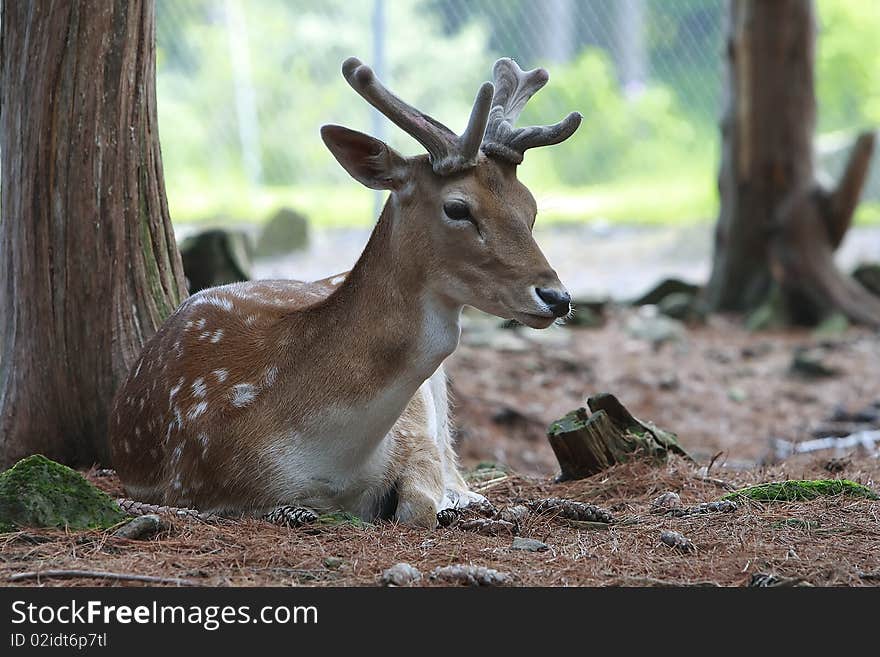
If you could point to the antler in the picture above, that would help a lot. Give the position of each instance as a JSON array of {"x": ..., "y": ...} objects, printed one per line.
[
  {"x": 449, "y": 152},
  {"x": 513, "y": 88}
]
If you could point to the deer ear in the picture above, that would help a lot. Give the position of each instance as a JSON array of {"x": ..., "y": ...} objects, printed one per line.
[{"x": 369, "y": 161}]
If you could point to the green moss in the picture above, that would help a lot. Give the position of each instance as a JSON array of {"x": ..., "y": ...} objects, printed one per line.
[
  {"x": 38, "y": 492},
  {"x": 801, "y": 490},
  {"x": 341, "y": 518}
]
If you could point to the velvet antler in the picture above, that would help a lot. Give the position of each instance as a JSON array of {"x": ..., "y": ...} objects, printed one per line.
[
  {"x": 513, "y": 88},
  {"x": 449, "y": 152}
]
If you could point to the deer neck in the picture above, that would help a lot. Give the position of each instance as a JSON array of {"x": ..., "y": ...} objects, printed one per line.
[{"x": 384, "y": 317}]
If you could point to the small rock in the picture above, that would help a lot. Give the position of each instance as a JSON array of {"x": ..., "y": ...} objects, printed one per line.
[
  {"x": 142, "y": 527},
  {"x": 737, "y": 394},
  {"x": 649, "y": 326},
  {"x": 333, "y": 562},
  {"x": 668, "y": 382},
  {"x": 683, "y": 306},
  {"x": 664, "y": 289},
  {"x": 677, "y": 541},
  {"x": 470, "y": 575},
  {"x": 868, "y": 275},
  {"x": 528, "y": 545},
  {"x": 666, "y": 502},
  {"x": 809, "y": 364},
  {"x": 401, "y": 574},
  {"x": 287, "y": 230}
]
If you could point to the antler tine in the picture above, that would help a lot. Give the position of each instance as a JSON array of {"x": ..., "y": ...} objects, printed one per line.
[
  {"x": 513, "y": 88},
  {"x": 448, "y": 151}
]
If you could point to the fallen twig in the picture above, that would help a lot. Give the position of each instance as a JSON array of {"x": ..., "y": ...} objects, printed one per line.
[{"x": 99, "y": 574}]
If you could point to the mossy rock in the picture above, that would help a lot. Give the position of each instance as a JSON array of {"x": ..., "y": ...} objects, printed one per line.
[
  {"x": 683, "y": 306},
  {"x": 216, "y": 257},
  {"x": 868, "y": 274},
  {"x": 799, "y": 490},
  {"x": 663, "y": 289},
  {"x": 38, "y": 492},
  {"x": 287, "y": 230}
]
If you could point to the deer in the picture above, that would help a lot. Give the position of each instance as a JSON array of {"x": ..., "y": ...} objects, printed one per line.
[{"x": 283, "y": 399}]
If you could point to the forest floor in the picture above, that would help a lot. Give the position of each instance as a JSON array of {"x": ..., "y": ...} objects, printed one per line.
[{"x": 731, "y": 396}]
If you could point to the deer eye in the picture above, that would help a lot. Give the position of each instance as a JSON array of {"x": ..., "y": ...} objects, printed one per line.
[{"x": 457, "y": 210}]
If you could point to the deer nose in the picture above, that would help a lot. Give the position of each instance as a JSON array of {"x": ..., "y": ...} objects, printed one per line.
[{"x": 557, "y": 300}]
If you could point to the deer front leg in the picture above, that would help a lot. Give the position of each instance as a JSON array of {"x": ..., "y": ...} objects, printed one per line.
[{"x": 420, "y": 485}]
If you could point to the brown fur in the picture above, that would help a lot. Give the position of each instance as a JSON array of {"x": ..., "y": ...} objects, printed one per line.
[{"x": 306, "y": 348}]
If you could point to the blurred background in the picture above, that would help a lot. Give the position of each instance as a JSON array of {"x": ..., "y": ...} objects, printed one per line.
[{"x": 243, "y": 88}]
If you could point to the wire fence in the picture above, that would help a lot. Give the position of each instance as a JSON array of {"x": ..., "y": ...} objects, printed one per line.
[{"x": 244, "y": 87}]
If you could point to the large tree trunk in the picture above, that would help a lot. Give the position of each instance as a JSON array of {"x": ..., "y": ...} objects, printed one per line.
[
  {"x": 777, "y": 228},
  {"x": 88, "y": 261}
]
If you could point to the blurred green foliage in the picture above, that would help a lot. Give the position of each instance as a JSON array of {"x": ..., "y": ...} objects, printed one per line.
[{"x": 642, "y": 155}]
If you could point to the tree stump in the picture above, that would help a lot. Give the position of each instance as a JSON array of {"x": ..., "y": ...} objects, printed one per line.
[{"x": 585, "y": 444}]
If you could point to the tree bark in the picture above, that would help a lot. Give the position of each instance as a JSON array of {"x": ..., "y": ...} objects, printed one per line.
[
  {"x": 88, "y": 260},
  {"x": 767, "y": 133},
  {"x": 778, "y": 229}
]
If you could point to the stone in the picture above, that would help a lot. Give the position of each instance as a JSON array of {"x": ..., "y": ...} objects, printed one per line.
[
  {"x": 333, "y": 563},
  {"x": 216, "y": 257},
  {"x": 38, "y": 492},
  {"x": 652, "y": 327},
  {"x": 141, "y": 528},
  {"x": 400, "y": 574},
  {"x": 287, "y": 230},
  {"x": 868, "y": 275},
  {"x": 528, "y": 545}
]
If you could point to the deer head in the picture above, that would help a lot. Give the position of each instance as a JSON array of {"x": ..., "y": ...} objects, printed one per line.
[{"x": 459, "y": 214}]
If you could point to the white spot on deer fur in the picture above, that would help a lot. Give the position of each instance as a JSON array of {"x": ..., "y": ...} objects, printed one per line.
[
  {"x": 175, "y": 390},
  {"x": 203, "y": 441},
  {"x": 204, "y": 335},
  {"x": 270, "y": 376},
  {"x": 201, "y": 323},
  {"x": 336, "y": 280},
  {"x": 199, "y": 388},
  {"x": 243, "y": 394},
  {"x": 176, "y": 454},
  {"x": 219, "y": 302},
  {"x": 197, "y": 410},
  {"x": 217, "y": 335},
  {"x": 221, "y": 375}
]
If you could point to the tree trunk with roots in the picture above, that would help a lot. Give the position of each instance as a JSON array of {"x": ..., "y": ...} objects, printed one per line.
[
  {"x": 778, "y": 228},
  {"x": 88, "y": 263}
]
